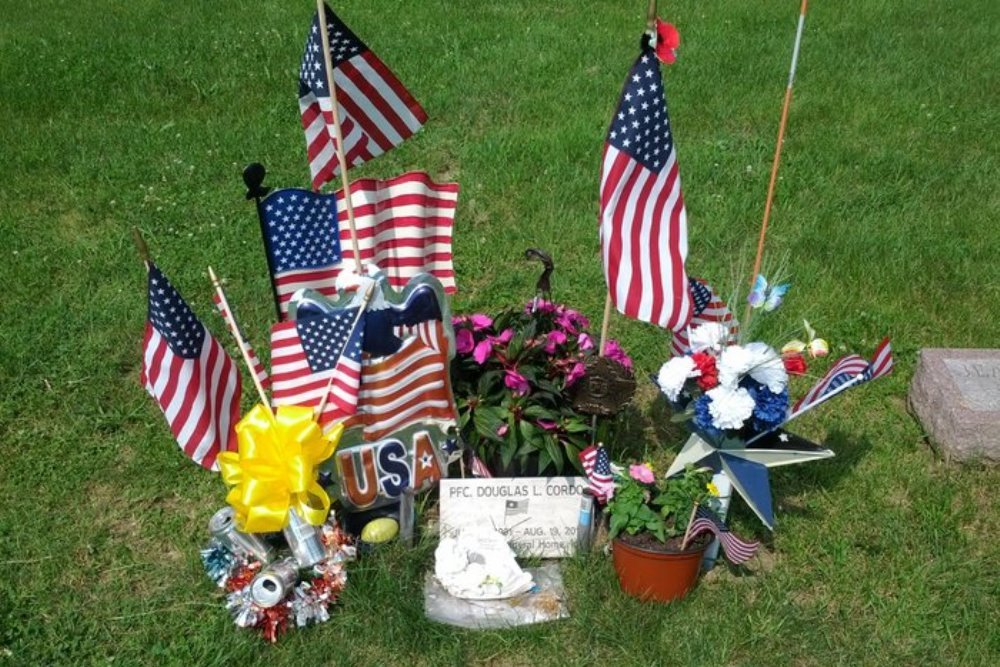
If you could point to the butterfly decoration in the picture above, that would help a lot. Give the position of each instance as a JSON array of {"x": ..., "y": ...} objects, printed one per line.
[
  {"x": 766, "y": 296},
  {"x": 817, "y": 347}
]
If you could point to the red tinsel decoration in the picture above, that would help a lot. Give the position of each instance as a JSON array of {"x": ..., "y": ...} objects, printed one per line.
[
  {"x": 273, "y": 622},
  {"x": 242, "y": 576}
]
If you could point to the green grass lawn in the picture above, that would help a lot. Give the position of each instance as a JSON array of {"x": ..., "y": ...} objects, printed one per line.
[{"x": 143, "y": 113}]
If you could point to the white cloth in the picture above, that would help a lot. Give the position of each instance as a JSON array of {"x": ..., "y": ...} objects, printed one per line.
[{"x": 478, "y": 564}]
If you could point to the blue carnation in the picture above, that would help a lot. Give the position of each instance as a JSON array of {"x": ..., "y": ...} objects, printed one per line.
[
  {"x": 703, "y": 418},
  {"x": 770, "y": 409}
]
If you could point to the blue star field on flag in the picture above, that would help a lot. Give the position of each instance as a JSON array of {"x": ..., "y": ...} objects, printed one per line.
[
  {"x": 173, "y": 318},
  {"x": 301, "y": 230},
  {"x": 324, "y": 336},
  {"x": 641, "y": 126}
]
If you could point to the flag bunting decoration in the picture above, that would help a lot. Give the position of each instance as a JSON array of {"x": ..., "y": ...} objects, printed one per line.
[
  {"x": 643, "y": 223},
  {"x": 189, "y": 374},
  {"x": 707, "y": 307},
  {"x": 597, "y": 466},
  {"x": 405, "y": 388},
  {"x": 404, "y": 227},
  {"x": 258, "y": 368},
  {"x": 847, "y": 369},
  {"x": 737, "y": 550},
  {"x": 307, "y": 352},
  {"x": 376, "y": 112}
]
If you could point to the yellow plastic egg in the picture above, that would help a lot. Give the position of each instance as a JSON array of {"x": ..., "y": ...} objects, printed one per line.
[{"x": 380, "y": 530}]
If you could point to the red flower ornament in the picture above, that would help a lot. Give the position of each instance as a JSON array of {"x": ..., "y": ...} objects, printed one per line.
[{"x": 667, "y": 41}]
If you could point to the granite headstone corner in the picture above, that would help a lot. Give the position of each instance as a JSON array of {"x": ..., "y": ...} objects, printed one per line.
[{"x": 956, "y": 396}]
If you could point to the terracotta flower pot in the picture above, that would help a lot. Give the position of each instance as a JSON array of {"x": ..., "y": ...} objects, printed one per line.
[{"x": 657, "y": 575}]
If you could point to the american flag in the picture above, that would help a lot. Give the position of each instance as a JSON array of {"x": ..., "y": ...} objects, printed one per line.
[
  {"x": 515, "y": 507},
  {"x": 306, "y": 353},
  {"x": 404, "y": 225},
  {"x": 643, "y": 220},
  {"x": 708, "y": 307},
  {"x": 737, "y": 550},
  {"x": 258, "y": 368},
  {"x": 405, "y": 388},
  {"x": 477, "y": 467},
  {"x": 376, "y": 111},
  {"x": 302, "y": 242},
  {"x": 189, "y": 374},
  {"x": 597, "y": 466},
  {"x": 847, "y": 369}
]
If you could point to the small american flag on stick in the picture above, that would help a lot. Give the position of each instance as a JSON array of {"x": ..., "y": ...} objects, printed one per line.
[
  {"x": 850, "y": 370},
  {"x": 737, "y": 550},
  {"x": 708, "y": 307},
  {"x": 597, "y": 466},
  {"x": 189, "y": 374},
  {"x": 643, "y": 220},
  {"x": 376, "y": 112}
]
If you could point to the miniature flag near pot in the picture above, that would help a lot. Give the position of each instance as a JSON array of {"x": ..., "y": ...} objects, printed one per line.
[
  {"x": 708, "y": 307},
  {"x": 737, "y": 550},
  {"x": 376, "y": 112},
  {"x": 258, "y": 368},
  {"x": 189, "y": 374},
  {"x": 307, "y": 352},
  {"x": 597, "y": 466},
  {"x": 643, "y": 220},
  {"x": 404, "y": 227}
]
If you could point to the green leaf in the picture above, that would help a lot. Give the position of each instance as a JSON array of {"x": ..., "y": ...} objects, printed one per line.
[
  {"x": 555, "y": 452},
  {"x": 618, "y": 521},
  {"x": 487, "y": 420},
  {"x": 539, "y": 412},
  {"x": 544, "y": 461}
]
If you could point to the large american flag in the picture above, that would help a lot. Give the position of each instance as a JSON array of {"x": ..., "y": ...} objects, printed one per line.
[
  {"x": 597, "y": 466},
  {"x": 708, "y": 307},
  {"x": 404, "y": 227},
  {"x": 408, "y": 387},
  {"x": 643, "y": 220},
  {"x": 306, "y": 353},
  {"x": 189, "y": 374},
  {"x": 376, "y": 111},
  {"x": 737, "y": 550},
  {"x": 852, "y": 368},
  {"x": 258, "y": 368}
]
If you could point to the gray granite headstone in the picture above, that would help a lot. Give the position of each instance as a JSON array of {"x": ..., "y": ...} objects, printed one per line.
[{"x": 956, "y": 396}]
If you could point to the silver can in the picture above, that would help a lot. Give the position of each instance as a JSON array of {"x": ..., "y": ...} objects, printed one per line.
[
  {"x": 222, "y": 525},
  {"x": 304, "y": 540},
  {"x": 274, "y": 582}
]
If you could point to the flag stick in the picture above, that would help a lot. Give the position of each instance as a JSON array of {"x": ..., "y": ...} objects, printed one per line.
[
  {"x": 777, "y": 153},
  {"x": 651, "y": 21},
  {"x": 341, "y": 158},
  {"x": 140, "y": 245},
  {"x": 354, "y": 325},
  {"x": 687, "y": 531},
  {"x": 235, "y": 329},
  {"x": 847, "y": 385}
]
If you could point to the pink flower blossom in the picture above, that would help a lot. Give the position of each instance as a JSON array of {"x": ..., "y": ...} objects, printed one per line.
[
  {"x": 504, "y": 336},
  {"x": 614, "y": 351},
  {"x": 539, "y": 306},
  {"x": 641, "y": 473},
  {"x": 464, "y": 341},
  {"x": 585, "y": 342},
  {"x": 484, "y": 349},
  {"x": 570, "y": 320},
  {"x": 480, "y": 321},
  {"x": 502, "y": 430},
  {"x": 575, "y": 373},
  {"x": 516, "y": 382},
  {"x": 546, "y": 424},
  {"x": 554, "y": 339}
]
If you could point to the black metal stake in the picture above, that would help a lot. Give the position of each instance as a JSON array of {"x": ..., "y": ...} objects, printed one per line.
[{"x": 253, "y": 177}]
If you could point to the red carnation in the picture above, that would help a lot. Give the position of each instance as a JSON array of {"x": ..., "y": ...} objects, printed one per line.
[
  {"x": 795, "y": 363},
  {"x": 667, "y": 41},
  {"x": 705, "y": 363}
]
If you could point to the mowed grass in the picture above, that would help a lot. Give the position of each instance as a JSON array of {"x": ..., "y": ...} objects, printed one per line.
[{"x": 144, "y": 113}]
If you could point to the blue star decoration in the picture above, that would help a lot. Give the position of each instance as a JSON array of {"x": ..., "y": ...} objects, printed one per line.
[{"x": 747, "y": 466}]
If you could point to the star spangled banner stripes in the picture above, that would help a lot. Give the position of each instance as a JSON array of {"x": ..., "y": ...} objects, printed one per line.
[
  {"x": 597, "y": 467},
  {"x": 376, "y": 111},
  {"x": 409, "y": 387},
  {"x": 643, "y": 219},
  {"x": 708, "y": 307},
  {"x": 306, "y": 353},
  {"x": 189, "y": 374},
  {"x": 404, "y": 225},
  {"x": 258, "y": 368},
  {"x": 852, "y": 369},
  {"x": 737, "y": 550}
]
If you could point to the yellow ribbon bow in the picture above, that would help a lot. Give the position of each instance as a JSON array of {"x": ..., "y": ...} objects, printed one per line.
[{"x": 275, "y": 468}]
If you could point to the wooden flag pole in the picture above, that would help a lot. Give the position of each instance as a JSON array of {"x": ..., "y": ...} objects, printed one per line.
[
  {"x": 235, "y": 329},
  {"x": 651, "y": 21},
  {"x": 354, "y": 325},
  {"x": 140, "y": 245},
  {"x": 777, "y": 152},
  {"x": 687, "y": 531},
  {"x": 338, "y": 135}
]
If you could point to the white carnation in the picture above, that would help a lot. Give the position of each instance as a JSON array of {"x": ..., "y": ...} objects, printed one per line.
[
  {"x": 730, "y": 408},
  {"x": 673, "y": 375},
  {"x": 767, "y": 368},
  {"x": 733, "y": 364},
  {"x": 709, "y": 336}
]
